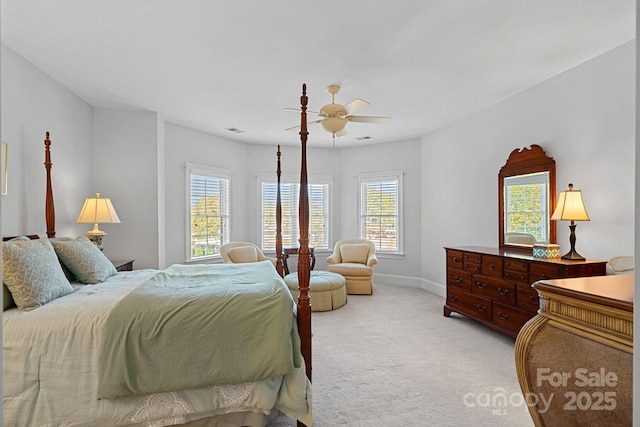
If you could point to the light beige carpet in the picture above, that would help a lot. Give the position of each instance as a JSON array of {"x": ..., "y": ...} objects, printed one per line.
[{"x": 392, "y": 359}]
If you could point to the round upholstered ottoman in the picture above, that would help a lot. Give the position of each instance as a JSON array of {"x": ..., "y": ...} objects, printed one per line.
[{"x": 327, "y": 290}]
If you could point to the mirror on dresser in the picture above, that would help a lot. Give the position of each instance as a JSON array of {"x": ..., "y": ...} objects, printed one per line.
[{"x": 526, "y": 199}]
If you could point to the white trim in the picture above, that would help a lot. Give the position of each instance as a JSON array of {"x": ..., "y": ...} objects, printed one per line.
[
  {"x": 380, "y": 176},
  {"x": 295, "y": 179},
  {"x": 409, "y": 282},
  {"x": 209, "y": 171}
]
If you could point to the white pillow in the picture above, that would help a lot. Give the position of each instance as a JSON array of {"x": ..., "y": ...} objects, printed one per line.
[
  {"x": 354, "y": 252},
  {"x": 32, "y": 273},
  {"x": 241, "y": 254}
]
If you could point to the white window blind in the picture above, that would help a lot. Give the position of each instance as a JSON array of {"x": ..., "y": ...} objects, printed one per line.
[
  {"x": 289, "y": 196},
  {"x": 208, "y": 211},
  {"x": 381, "y": 210}
]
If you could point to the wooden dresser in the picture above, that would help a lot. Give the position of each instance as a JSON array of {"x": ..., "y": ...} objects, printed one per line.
[
  {"x": 493, "y": 286},
  {"x": 574, "y": 359}
]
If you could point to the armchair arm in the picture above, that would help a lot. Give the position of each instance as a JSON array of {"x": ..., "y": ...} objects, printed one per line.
[
  {"x": 333, "y": 259},
  {"x": 372, "y": 260}
]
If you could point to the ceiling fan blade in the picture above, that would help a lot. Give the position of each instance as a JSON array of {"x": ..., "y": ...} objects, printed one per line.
[
  {"x": 297, "y": 110},
  {"x": 368, "y": 119},
  {"x": 356, "y": 105},
  {"x": 308, "y": 123}
]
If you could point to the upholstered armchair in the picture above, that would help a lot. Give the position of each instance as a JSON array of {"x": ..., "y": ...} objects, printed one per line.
[
  {"x": 240, "y": 252},
  {"x": 354, "y": 259}
]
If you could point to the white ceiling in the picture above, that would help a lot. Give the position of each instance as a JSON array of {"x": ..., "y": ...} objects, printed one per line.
[{"x": 213, "y": 65}]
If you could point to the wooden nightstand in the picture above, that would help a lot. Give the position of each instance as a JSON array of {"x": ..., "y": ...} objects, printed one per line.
[{"x": 123, "y": 264}]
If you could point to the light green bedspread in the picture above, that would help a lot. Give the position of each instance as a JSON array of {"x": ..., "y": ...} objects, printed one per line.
[{"x": 192, "y": 326}]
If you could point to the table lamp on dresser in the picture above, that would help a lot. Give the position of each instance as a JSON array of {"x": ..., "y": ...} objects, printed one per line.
[{"x": 570, "y": 207}]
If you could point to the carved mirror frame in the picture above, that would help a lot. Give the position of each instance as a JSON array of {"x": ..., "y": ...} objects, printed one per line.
[{"x": 521, "y": 162}]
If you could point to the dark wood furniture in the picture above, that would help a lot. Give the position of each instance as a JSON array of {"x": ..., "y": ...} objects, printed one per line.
[
  {"x": 293, "y": 250},
  {"x": 493, "y": 286},
  {"x": 579, "y": 348},
  {"x": 122, "y": 265}
]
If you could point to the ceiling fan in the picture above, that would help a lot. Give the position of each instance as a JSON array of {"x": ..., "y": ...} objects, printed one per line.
[{"x": 335, "y": 116}]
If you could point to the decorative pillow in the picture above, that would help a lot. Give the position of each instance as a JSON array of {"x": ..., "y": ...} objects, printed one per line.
[
  {"x": 32, "y": 273},
  {"x": 69, "y": 275},
  {"x": 354, "y": 252},
  {"x": 241, "y": 254},
  {"x": 84, "y": 260},
  {"x": 7, "y": 299}
]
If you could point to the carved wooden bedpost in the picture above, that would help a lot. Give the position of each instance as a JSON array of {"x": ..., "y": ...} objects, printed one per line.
[
  {"x": 304, "y": 266},
  {"x": 49, "y": 208},
  {"x": 279, "y": 253}
]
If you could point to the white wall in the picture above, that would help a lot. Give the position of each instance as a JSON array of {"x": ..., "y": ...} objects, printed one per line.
[
  {"x": 126, "y": 171},
  {"x": 393, "y": 156},
  {"x": 584, "y": 118},
  {"x": 32, "y": 104},
  {"x": 185, "y": 145}
]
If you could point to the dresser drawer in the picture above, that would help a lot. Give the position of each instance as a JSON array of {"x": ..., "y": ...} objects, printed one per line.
[
  {"x": 454, "y": 259},
  {"x": 516, "y": 276},
  {"x": 472, "y": 267},
  {"x": 515, "y": 265},
  {"x": 509, "y": 318},
  {"x": 459, "y": 278},
  {"x": 495, "y": 289},
  {"x": 492, "y": 266},
  {"x": 538, "y": 271},
  {"x": 527, "y": 298},
  {"x": 469, "y": 303},
  {"x": 470, "y": 257}
]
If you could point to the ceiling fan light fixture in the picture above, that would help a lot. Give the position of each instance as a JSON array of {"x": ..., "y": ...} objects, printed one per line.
[{"x": 333, "y": 125}]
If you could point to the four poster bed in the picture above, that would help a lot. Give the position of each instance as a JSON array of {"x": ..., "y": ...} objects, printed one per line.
[{"x": 193, "y": 345}]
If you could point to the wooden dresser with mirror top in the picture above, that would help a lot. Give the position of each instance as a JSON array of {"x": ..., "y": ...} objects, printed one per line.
[{"x": 493, "y": 286}]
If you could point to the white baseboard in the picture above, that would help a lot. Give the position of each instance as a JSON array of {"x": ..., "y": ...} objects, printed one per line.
[{"x": 411, "y": 282}]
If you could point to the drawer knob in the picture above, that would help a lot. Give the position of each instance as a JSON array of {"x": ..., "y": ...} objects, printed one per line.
[
  {"x": 481, "y": 285},
  {"x": 481, "y": 309},
  {"x": 534, "y": 300},
  {"x": 455, "y": 259},
  {"x": 491, "y": 267},
  {"x": 503, "y": 316},
  {"x": 453, "y": 298},
  {"x": 543, "y": 277},
  {"x": 459, "y": 279},
  {"x": 503, "y": 292}
]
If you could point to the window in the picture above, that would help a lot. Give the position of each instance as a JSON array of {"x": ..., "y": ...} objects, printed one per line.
[
  {"x": 208, "y": 211},
  {"x": 289, "y": 196},
  {"x": 380, "y": 199},
  {"x": 526, "y": 207}
]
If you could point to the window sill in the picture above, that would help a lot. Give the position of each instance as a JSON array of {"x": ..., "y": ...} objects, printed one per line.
[{"x": 390, "y": 255}]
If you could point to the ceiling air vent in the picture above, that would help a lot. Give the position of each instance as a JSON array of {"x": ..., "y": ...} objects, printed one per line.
[
  {"x": 364, "y": 138},
  {"x": 234, "y": 130}
]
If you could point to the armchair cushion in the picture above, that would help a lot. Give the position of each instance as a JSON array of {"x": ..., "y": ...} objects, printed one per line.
[
  {"x": 241, "y": 254},
  {"x": 354, "y": 252}
]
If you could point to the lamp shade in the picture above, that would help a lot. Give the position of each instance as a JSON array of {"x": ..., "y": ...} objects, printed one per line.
[
  {"x": 97, "y": 210},
  {"x": 570, "y": 206}
]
